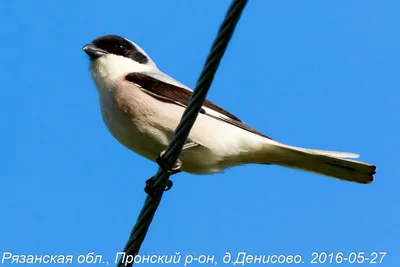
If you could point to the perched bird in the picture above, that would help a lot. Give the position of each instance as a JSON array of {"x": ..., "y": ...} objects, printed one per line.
[{"x": 141, "y": 106}]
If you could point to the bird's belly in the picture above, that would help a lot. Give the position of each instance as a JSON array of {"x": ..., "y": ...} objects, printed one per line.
[
  {"x": 135, "y": 135},
  {"x": 146, "y": 129},
  {"x": 149, "y": 142}
]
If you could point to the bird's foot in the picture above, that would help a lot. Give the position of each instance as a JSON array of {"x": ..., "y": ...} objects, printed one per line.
[
  {"x": 176, "y": 168},
  {"x": 150, "y": 188}
]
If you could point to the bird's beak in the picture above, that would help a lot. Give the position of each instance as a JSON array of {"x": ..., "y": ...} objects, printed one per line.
[{"x": 93, "y": 51}]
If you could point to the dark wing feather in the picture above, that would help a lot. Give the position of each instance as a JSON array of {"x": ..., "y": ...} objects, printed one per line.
[{"x": 174, "y": 94}]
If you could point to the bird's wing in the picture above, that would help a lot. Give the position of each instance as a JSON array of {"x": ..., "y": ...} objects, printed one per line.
[{"x": 164, "y": 88}]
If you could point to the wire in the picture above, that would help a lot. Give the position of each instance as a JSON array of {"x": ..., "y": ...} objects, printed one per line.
[{"x": 160, "y": 180}]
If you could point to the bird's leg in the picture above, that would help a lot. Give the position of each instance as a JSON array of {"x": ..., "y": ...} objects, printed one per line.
[
  {"x": 176, "y": 168},
  {"x": 178, "y": 164}
]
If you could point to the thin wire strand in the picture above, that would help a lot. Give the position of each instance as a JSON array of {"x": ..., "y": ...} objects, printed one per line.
[{"x": 181, "y": 133}]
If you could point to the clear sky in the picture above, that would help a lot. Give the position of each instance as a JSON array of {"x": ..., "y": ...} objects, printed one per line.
[{"x": 317, "y": 74}]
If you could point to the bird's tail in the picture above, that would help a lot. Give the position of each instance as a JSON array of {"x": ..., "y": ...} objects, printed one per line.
[{"x": 328, "y": 163}]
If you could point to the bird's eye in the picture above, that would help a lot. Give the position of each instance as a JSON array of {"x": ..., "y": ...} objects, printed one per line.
[{"x": 121, "y": 48}]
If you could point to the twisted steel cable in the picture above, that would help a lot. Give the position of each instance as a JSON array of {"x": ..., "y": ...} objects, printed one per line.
[{"x": 167, "y": 160}]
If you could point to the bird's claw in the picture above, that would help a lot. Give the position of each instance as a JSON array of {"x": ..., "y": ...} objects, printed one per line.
[
  {"x": 150, "y": 188},
  {"x": 174, "y": 169},
  {"x": 169, "y": 185}
]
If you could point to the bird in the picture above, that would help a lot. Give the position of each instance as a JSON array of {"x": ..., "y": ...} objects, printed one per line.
[{"x": 141, "y": 106}]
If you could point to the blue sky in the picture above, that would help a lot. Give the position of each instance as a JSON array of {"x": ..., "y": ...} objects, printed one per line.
[{"x": 323, "y": 74}]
